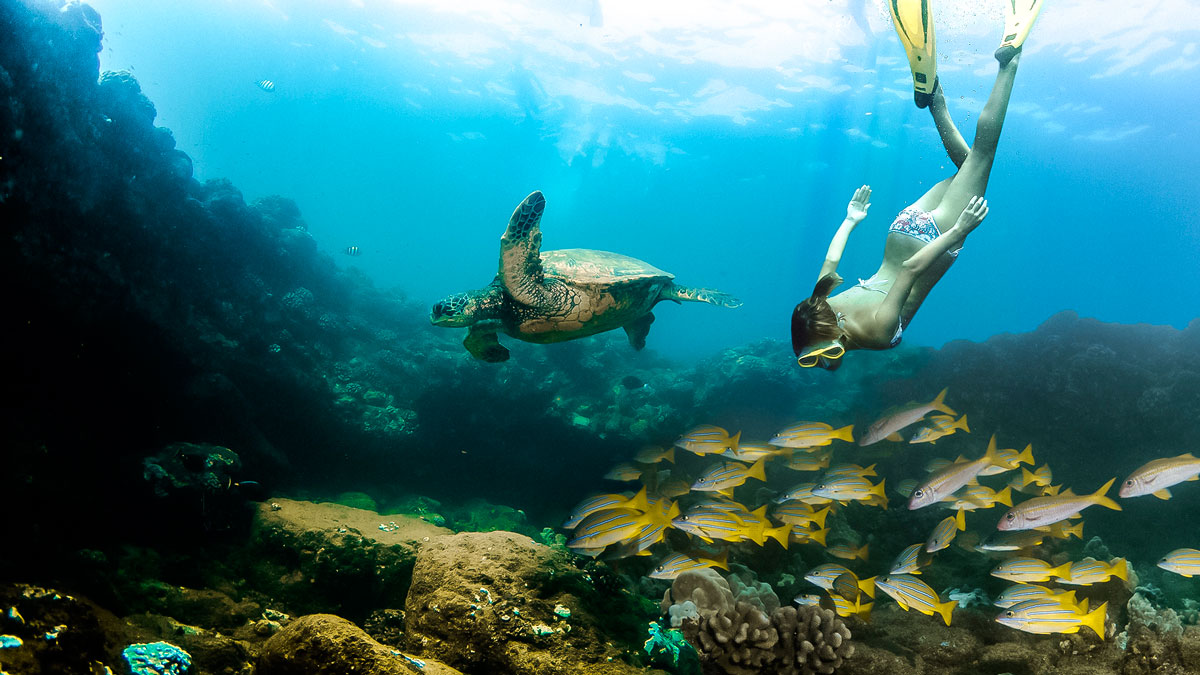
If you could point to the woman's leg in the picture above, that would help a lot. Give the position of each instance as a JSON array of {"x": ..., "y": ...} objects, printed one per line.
[
  {"x": 972, "y": 177},
  {"x": 956, "y": 147}
]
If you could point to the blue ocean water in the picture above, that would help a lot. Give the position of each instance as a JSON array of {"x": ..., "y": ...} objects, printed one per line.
[{"x": 719, "y": 140}]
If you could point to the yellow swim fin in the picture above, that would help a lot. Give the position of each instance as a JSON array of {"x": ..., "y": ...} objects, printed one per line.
[
  {"x": 914, "y": 25},
  {"x": 1019, "y": 16}
]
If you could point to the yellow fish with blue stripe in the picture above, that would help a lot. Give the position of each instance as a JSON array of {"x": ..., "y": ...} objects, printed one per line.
[
  {"x": 591, "y": 505},
  {"x": 800, "y": 513},
  {"x": 751, "y": 452},
  {"x": 912, "y": 593},
  {"x": 1185, "y": 561},
  {"x": 910, "y": 560},
  {"x": 1009, "y": 459},
  {"x": 607, "y": 527},
  {"x": 724, "y": 477},
  {"x": 824, "y": 576},
  {"x": 974, "y": 497},
  {"x": 1018, "y": 593},
  {"x": 811, "y": 435},
  {"x": 849, "y": 489},
  {"x": 809, "y": 461},
  {"x": 1047, "y": 616},
  {"x": 1025, "y": 570},
  {"x": 944, "y": 533},
  {"x": 1090, "y": 571},
  {"x": 679, "y": 563},
  {"x": 711, "y": 524},
  {"x": 707, "y": 439},
  {"x": 939, "y": 427}
]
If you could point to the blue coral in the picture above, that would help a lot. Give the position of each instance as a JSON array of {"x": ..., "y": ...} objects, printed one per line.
[
  {"x": 665, "y": 642},
  {"x": 157, "y": 658}
]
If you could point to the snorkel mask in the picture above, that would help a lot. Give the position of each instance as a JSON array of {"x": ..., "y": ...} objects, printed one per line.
[{"x": 827, "y": 355}]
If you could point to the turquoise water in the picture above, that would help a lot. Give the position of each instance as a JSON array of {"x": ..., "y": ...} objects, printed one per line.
[{"x": 717, "y": 140}]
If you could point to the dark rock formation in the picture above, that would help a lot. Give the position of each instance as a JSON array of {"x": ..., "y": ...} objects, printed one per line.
[{"x": 323, "y": 644}]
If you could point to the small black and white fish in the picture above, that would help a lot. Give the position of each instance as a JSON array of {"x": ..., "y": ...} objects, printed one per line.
[
  {"x": 266, "y": 85},
  {"x": 353, "y": 251}
]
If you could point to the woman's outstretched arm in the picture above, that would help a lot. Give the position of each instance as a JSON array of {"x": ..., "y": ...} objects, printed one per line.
[
  {"x": 910, "y": 270},
  {"x": 856, "y": 210}
]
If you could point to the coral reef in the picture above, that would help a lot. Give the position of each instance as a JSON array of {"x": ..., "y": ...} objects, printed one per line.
[
  {"x": 754, "y": 634},
  {"x": 323, "y": 644}
]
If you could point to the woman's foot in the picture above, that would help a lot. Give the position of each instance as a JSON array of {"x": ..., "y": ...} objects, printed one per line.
[{"x": 1018, "y": 21}]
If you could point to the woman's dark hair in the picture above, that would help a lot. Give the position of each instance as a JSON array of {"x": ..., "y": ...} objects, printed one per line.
[{"x": 814, "y": 320}]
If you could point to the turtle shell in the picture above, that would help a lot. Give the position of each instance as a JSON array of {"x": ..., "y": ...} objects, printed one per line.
[{"x": 599, "y": 268}]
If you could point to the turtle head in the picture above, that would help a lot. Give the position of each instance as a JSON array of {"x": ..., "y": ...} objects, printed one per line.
[{"x": 458, "y": 310}]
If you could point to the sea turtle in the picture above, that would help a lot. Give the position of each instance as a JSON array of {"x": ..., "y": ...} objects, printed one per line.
[{"x": 552, "y": 296}]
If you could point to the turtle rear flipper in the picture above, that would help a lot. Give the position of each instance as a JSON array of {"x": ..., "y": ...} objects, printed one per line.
[
  {"x": 688, "y": 294},
  {"x": 484, "y": 345},
  {"x": 521, "y": 271},
  {"x": 638, "y": 329}
]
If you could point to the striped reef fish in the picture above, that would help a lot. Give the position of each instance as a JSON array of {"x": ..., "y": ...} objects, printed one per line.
[
  {"x": 725, "y": 476},
  {"x": 905, "y": 487},
  {"x": 266, "y": 85},
  {"x": 799, "y": 513},
  {"x": 1156, "y": 477},
  {"x": 1009, "y": 459},
  {"x": 850, "y": 489},
  {"x": 712, "y": 501},
  {"x": 974, "y": 497},
  {"x": 1018, "y": 593},
  {"x": 649, "y": 536},
  {"x": 889, "y": 425},
  {"x": 1033, "y": 482},
  {"x": 1063, "y": 530},
  {"x": 1051, "y": 490},
  {"x": 910, "y": 560},
  {"x": 1026, "y": 570},
  {"x": 609, "y": 527},
  {"x": 679, "y": 563},
  {"x": 758, "y": 528},
  {"x": 624, "y": 472},
  {"x": 591, "y": 505},
  {"x": 674, "y": 487},
  {"x": 945, "y": 531},
  {"x": 1090, "y": 571},
  {"x": 849, "y": 470},
  {"x": 708, "y": 440},
  {"x": 937, "y": 464},
  {"x": 949, "y": 480},
  {"x": 802, "y": 492},
  {"x": 1047, "y": 616},
  {"x": 999, "y": 542},
  {"x": 809, "y": 461},
  {"x": 823, "y": 576},
  {"x": 803, "y": 535},
  {"x": 847, "y": 551},
  {"x": 940, "y": 426},
  {"x": 653, "y": 454},
  {"x": 806, "y": 599},
  {"x": 912, "y": 593},
  {"x": 845, "y": 585},
  {"x": 1185, "y": 561},
  {"x": 711, "y": 524},
  {"x": 811, "y": 435},
  {"x": 662, "y": 511},
  {"x": 751, "y": 452},
  {"x": 844, "y": 607},
  {"x": 1041, "y": 511}
]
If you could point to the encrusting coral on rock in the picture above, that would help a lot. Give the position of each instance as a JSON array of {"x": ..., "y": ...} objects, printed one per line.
[{"x": 739, "y": 637}]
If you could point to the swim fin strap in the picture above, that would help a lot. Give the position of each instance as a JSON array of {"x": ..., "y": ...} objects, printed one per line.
[{"x": 914, "y": 24}]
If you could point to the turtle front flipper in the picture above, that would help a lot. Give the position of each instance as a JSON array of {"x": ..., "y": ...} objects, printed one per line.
[
  {"x": 485, "y": 346},
  {"x": 687, "y": 294},
  {"x": 521, "y": 270},
  {"x": 638, "y": 329}
]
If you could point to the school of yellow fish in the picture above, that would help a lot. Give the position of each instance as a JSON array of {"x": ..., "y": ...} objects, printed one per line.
[{"x": 632, "y": 524}]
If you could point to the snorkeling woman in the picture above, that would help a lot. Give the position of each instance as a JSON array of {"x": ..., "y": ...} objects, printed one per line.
[{"x": 873, "y": 313}]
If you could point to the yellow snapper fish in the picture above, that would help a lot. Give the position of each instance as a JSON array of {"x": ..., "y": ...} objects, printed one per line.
[
  {"x": 824, "y": 575},
  {"x": 653, "y": 454},
  {"x": 1044, "y": 616},
  {"x": 803, "y": 535},
  {"x": 1041, "y": 511},
  {"x": 1008, "y": 459},
  {"x": 974, "y": 497},
  {"x": 940, "y": 426},
  {"x": 1090, "y": 571},
  {"x": 607, "y": 527},
  {"x": 811, "y": 435},
  {"x": 1185, "y": 561},
  {"x": 757, "y": 528},
  {"x": 850, "y": 470},
  {"x": 591, "y": 505},
  {"x": 905, "y": 487},
  {"x": 679, "y": 563},
  {"x": 711, "y": 524},
  {"x": 724, "y": 477},
  {"x": 847, "y": 551},
  {"x": 1156, "y": 477},
  {"x": 949, "y": 480},
  {"x": 674, "y": 487},
  {"x": 799, "y": 513},
  {"x": 707, "y": 439},
  {"x": 809, "y": 461},
  {"x": 1033, "y": 482},
  {"x": 999, "y": 542},
  {"x": 806, "y": 599},
  {"x": 845, "y": 586},
  {"x": 844, "y": 607},
  {"x": 910, "y": 560},
  {"x": 802, "y": 492},
  {"x": 912, "y": 593},
  {"x": 850, "y": 489},
  {"x": 1063, "y": 530},
  {"x": 937, "y": 464},
  {"x": 891, "y": 423},
  {"x": 1018, "y": 593},
  {"x": 751, "y": 452},
  {"x": 1027, "y": 570},
  {"x": 624, "y": 472},
  {"x": 944, "y": 533}
]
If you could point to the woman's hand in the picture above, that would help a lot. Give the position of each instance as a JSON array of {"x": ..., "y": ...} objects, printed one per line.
[
  {"x": 972, "y": 216},
  {"x": 856, "y": 210}
]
